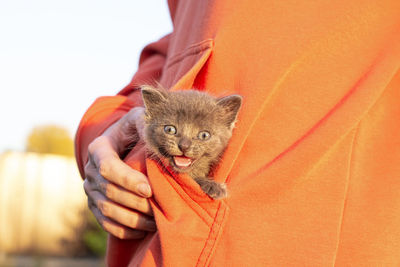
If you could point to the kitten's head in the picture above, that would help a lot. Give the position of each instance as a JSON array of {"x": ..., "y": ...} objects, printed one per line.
[{"x": 189, "y": 128}]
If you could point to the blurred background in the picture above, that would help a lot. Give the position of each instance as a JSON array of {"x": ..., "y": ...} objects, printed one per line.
[{"x": 56, "y": 57}]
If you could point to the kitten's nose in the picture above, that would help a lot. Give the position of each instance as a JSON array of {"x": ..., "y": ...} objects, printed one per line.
[{"x": 184, "y": 144}]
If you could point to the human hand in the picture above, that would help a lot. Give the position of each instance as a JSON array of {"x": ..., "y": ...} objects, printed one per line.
[{"x": 117, "y": 194}]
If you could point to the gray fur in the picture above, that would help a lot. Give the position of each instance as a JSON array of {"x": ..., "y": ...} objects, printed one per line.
[{"x": 190, "y": 112}]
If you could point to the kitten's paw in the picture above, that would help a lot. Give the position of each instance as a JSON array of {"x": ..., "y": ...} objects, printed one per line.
[{"x": 213, "y": 189}]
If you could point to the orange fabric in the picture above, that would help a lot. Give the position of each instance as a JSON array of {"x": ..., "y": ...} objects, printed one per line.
[{"x": 313, "y": 167}]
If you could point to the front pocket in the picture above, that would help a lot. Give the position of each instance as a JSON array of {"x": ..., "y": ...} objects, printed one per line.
[{"x": 188, "y": 221}]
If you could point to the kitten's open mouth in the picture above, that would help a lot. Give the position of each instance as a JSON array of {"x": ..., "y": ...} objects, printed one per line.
[{"x": 182, "y": 162}]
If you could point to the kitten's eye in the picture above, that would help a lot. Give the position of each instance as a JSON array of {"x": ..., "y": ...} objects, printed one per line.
[
  {"x": 169, "y": 129},
  {"x": 204, "y": 135}
]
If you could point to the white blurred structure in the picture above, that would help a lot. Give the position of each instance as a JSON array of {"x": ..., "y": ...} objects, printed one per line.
[{"x": 41, "y": 202}]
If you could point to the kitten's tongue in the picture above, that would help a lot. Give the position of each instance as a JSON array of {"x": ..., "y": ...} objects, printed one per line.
[{"x": 182, "y": 162}]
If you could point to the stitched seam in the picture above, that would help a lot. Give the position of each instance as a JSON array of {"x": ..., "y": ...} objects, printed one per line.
[
  {"x": 351, "y": 160},
  {"x": 350, "y": 164},
  {"x": 206, "y": 244},
  {"x": 217, "y": 235},
  {"x": 191, "y": 50},
  {"x": 186, "y": 81},
  {"x": 213, "y": 235}
]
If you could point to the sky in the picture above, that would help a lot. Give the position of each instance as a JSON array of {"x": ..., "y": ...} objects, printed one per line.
[{"x": 57, "y": 57}]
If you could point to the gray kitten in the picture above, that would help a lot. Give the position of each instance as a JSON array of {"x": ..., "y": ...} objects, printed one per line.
[{"x": 189, "y": 130}]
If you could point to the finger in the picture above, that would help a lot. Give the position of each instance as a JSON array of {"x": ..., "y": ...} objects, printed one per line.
[
  {"x": 90, "y": 172},
  {"x": 120, "y": 173},
  {"x": 116, "y": 193},
  {"x": 112, "y": 168},
  {"x": 126, "y": 198},
  {"x": 116, "y": 229},
  {"x": 122, "y": 215},
  {"x": 100, "y": 148},
  {"x": 86, "y": 186},
  {"x": 135, "y": 117}
]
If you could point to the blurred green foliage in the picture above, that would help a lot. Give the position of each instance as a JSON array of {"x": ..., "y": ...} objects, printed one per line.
[
  {"x": 51, "y": 139},
  {"x": 94, "y": 237},
  {"x": 90, "y": 240}
]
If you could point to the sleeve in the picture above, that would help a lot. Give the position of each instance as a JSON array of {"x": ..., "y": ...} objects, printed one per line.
[{"x": 108, "y": 109}]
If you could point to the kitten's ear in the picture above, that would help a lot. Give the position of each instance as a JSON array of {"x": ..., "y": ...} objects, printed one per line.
[
  {"x": 229, "y": 107},
  {"x": 152, "y": 97}
]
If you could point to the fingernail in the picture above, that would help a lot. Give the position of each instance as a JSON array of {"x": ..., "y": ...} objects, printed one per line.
[{"x": 144, "y": 190}]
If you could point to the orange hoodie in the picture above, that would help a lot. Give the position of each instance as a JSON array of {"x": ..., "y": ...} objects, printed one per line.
[{"x": 313, "y": 167}]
